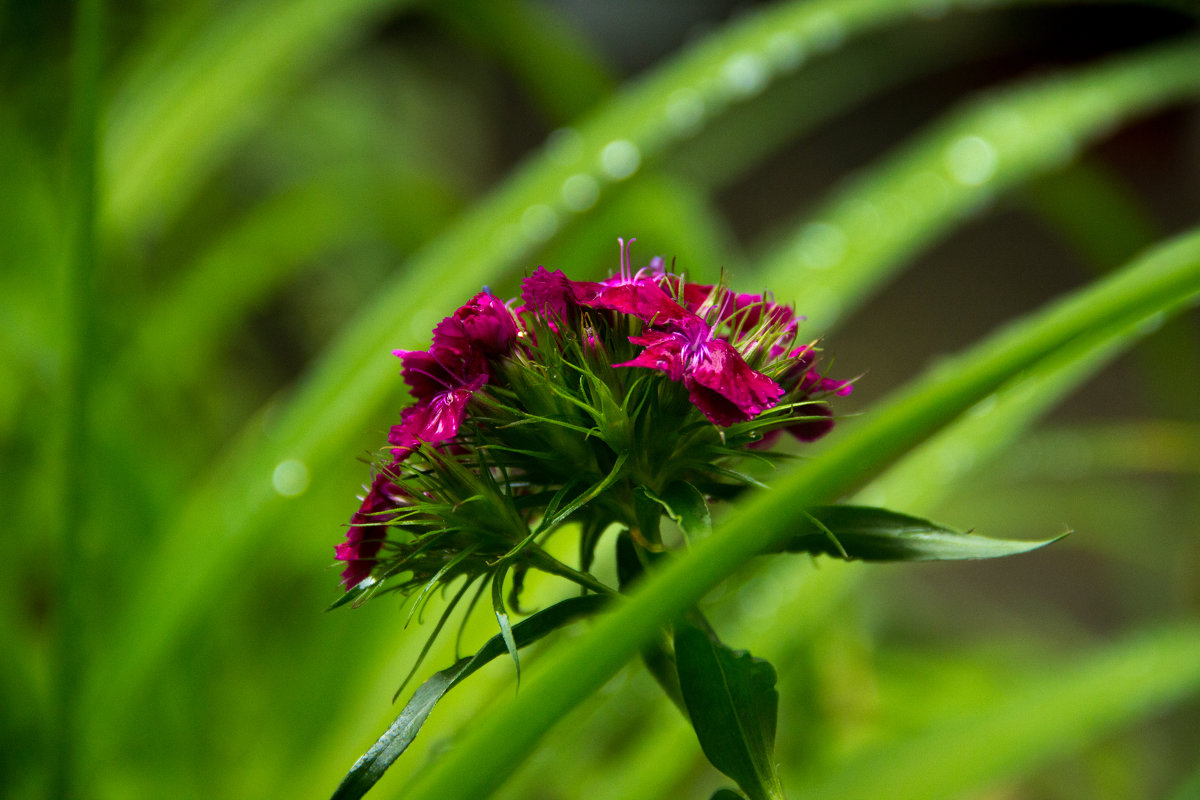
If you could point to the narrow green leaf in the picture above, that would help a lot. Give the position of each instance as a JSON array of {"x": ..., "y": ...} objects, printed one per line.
[
  {"x": 732, "y": 701},
  {"x": 727, "y": 794},
  {"x": 400, "y": 734},
  {"x": 552, "y": 521},
  {"x": 506, "y": 634},
  {"x": 350, "y": 596},
  {"x": 876, "y": 534}
]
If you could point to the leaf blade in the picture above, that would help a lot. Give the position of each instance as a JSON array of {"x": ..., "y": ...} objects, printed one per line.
[
  {"x": 732, "y": 702},
  {"x": 866, "y": 533}
]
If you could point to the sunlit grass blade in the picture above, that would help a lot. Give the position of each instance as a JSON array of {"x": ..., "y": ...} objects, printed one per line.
[
  {"x": 1050, "y": 715},
  {"x": 1165, "y": 279},
  {"x": 852, "y": 245},
  {"x": 196, "y": 90}
]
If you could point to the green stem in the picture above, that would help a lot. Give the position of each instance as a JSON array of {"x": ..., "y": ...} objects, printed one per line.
[{"x": 76, "y": 357}]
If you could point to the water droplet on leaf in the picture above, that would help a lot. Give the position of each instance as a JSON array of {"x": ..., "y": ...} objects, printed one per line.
[
  {"x": 971, "y": 160},
  {"x": 290, "y": 478}
]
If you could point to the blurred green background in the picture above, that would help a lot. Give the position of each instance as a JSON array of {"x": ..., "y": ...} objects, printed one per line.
[{"x": 191, "y": 371}]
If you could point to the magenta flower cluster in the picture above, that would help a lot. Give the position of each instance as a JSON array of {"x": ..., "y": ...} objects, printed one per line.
[{"x": 733, "y": 354}]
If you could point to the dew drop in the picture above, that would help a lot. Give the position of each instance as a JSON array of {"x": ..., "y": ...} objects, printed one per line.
[
  {"x": 290, "y": 478},
  {"x": 898, "y": 212},
  {"x": 745, "y": 75},
  {"x": 539, "y": 222},
  {"x": 685, "y": 110},
  {"x": 580, "y": 191},
  {"x": 619, "y": 159},
  {"x": 821, "y": 245},
  {"x": 971, "y": 160}
]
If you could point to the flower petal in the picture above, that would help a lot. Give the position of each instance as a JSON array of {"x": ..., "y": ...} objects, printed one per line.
[
  {"x": 723, "y": 386},
  {"x": 640, "y": 298},
  {"x": 368, "y": 528},
  {"x": 483, "y": 325}
]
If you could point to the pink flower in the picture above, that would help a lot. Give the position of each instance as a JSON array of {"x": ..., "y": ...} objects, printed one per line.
[
  {"x": 429, "y": 374},
  {"x": 641, "y": 298},
  {"x": 434, "y": 421},
  {"x": 719, "y": 381},
  {"x": 367, "y": 530},
  {"x": 632, "y": 293},
  {"x": 484, "y": 325},
  {"x": 550, "y": 295}
]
